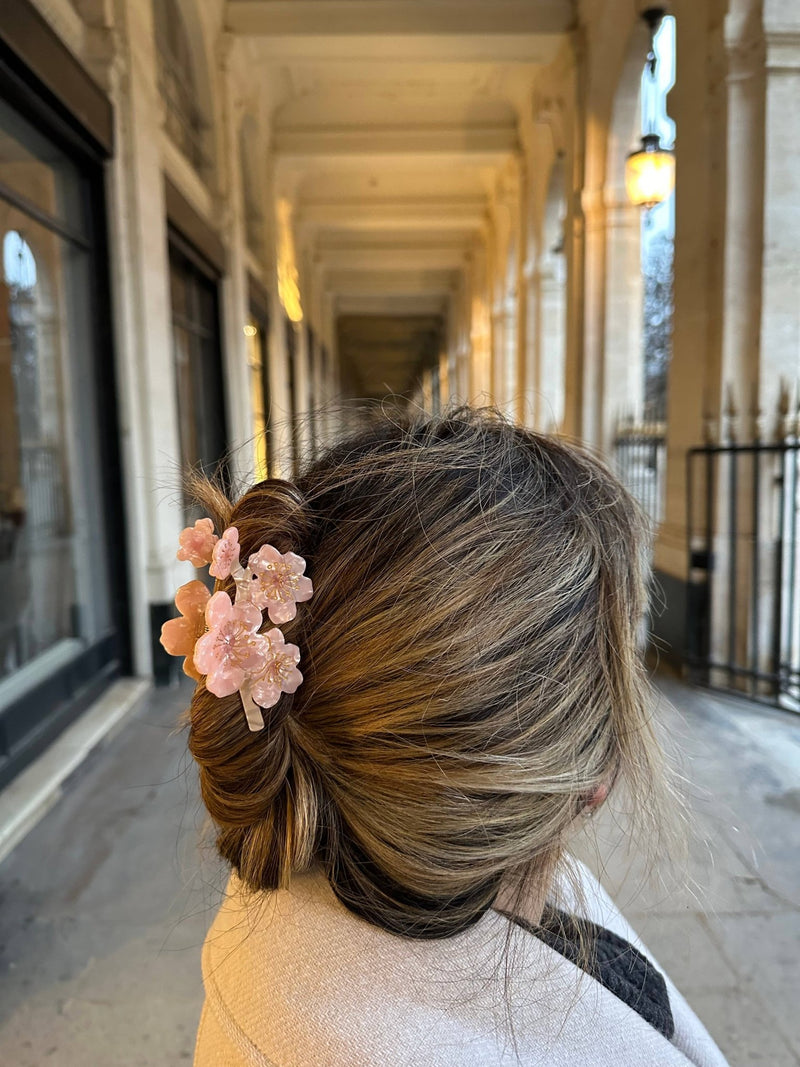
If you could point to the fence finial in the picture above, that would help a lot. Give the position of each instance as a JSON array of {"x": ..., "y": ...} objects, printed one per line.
[
  {"x": 730, "y": 414},
  {"x": 783, "y": 422},
  {"x": 756, "y": 416}
]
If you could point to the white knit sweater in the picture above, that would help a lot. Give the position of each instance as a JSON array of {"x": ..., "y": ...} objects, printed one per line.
[{"x": 293, "y": 979}]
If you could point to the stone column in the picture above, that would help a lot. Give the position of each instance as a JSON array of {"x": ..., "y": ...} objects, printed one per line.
[
  {"x": 697, "y": 103},
  {"x": 480, "y": 376},
  {"x": 623, "y": 372},
  {"x": 736, "y": 388},
  {"x": 498, "y": 353},
  {"x": 143, "y": 336},
  {"x": 234, "y": 295},
  {"x": 780, "y": 305},
  {"x": 552, "y": 338},
  {"x": 594, "y": 296},
  {"x": 744, "y": 181},
  {"x": 780, "y": 313},
  {"x": 531, "y": 398}
]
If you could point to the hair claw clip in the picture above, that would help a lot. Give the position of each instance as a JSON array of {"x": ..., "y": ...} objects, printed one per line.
[{"x": 220, "y": 638}]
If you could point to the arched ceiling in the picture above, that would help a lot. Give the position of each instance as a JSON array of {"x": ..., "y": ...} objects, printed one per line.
[{"x": 394, "y": 119}]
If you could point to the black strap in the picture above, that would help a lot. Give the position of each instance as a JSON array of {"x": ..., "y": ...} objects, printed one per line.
[{"x": 611, "y": 960}]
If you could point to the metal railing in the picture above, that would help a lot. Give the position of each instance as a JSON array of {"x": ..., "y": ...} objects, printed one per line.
[
  {"x": 640, "y": 454},
  {"x": 743, "y": 607}
]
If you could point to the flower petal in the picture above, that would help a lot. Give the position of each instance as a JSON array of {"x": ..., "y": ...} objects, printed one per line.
[
  {"x": 291, "y": 652},
  {"x": 275, "y": 638},
  {"x": 296, "y": 563},
  {"x": 190, "y": 669},
  {"x": 225, "y": 556},
  {"x": 178, "y": 637},
  {"x": 219, "y": 610},
  {"x": 224, "y": 681},
  {"x": 205, "y": 654},
  {"x": 292, "y": 680},
  {"x": 249, "y": 616},
  {"x": 191, "y": 599},
  {"x": 281, "y": 610},
  {"x": 266, "y": 554},
  {"x": 304, "y": 590},
  {"x": 266, "y": 694}
]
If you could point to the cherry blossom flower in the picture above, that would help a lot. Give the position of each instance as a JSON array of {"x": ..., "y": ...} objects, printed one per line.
[
  {"x": 280, "y": 674},
  {"x": 197, "y": 542},
  {"x": 178, "y": 636},
  {"x": 226, "y": 554},
  {"x": 233, "y": 650},
  {"x": 278, "y": 584}
]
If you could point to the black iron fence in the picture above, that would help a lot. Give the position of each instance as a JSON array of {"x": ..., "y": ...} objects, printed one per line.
[
  {"x": 640, "y": 453},
  {"x": 743, "y": 608}
]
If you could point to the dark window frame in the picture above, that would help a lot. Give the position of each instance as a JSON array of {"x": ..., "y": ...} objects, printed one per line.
[
  {"x": 32, "y": 721},
  {"x": 181, "y": 248}
]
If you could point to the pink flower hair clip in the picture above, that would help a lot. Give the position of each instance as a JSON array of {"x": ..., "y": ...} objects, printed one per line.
[{"x": 220, "y": 637}]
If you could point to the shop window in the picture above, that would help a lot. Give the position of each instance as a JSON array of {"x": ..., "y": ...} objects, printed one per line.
[
  {"x": 198, "y": 361},
  {"x": 58, "y": 519}
]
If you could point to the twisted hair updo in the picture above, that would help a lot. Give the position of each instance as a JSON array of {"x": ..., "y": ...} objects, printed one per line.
[{"x": 470, "y": 664}]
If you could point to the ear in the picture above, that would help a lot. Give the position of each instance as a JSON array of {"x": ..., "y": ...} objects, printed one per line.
[{"x": 597, "y": 798}]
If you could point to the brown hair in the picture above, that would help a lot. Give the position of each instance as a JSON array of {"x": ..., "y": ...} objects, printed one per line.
[{"x": 470, "y": 663}]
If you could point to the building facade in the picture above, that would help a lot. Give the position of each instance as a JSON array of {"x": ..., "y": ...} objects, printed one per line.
[{"x": 222, "y": 217}]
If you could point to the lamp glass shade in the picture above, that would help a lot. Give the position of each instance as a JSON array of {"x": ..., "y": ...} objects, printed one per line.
[{"x": 649, "y": 173}]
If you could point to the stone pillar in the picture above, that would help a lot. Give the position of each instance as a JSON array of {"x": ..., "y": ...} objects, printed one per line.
[
  {"x": 780, "y": 312},
  {"x": 780, "y": 304},
  {"x": 594, "y": 297},
  {"x": 234, "y": 295},
  {"x": 736, "y": 389},
  {"x": 481, "y": 342},
  {"x": 552, "y": 338},
  {"x": 531, "y": 399},
  {"x": 744, "y": 180},
  {"x": 143, "y": 336},
  {"x": 697, "y": 103},
  {"x": 498, "y": 354},
  {"x": 623, "y": 372},
  {"x": 510, "y": 385}
]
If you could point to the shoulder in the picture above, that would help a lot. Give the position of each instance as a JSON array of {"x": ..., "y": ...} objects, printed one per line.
[{"x": 294, "y": 977}]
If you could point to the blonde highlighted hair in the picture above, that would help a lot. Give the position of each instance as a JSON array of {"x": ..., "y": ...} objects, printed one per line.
[{"x": 470, "y": 662}]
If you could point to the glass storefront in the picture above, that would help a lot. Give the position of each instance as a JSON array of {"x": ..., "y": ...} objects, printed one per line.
[{"x": 57, "y": 609}]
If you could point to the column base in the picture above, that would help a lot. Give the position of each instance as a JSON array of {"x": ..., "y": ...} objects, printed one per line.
[{"x": 668, "y": 617}]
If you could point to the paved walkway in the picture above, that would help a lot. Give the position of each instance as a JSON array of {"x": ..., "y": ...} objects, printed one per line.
[{"x": 103, "y": 907}]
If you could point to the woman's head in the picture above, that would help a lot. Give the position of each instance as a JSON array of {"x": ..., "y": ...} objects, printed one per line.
[{"x": 471, "y": 675}]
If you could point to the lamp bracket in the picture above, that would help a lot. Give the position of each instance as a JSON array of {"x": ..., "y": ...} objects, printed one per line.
[{"x": 653, "y": 17}]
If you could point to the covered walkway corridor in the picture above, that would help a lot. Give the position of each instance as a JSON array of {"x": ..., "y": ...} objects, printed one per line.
[{"x": 228, "y": 226}]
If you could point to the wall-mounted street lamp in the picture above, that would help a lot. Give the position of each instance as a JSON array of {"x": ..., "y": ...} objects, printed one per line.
[{"x": 650, "y": 170}]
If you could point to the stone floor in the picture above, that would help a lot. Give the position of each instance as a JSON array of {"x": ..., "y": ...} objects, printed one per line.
[{"x": 103, "y": 907}]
